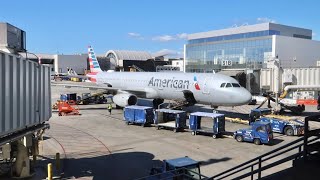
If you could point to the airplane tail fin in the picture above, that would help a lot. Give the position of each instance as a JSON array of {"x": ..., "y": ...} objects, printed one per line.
[{"x": 94, "y": 64}]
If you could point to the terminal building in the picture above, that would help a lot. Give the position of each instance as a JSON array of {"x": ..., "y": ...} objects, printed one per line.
[
  {"x": 60, "y": 63},
  {"x": 250, "y": 47},
  {"x": 244, "y": 52}
]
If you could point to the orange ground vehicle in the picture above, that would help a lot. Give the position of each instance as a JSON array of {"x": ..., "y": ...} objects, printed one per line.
[{"x": 67, "y": 108}]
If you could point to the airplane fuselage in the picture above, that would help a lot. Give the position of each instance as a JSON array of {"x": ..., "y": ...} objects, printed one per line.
[{"x": 206, "y": 88}]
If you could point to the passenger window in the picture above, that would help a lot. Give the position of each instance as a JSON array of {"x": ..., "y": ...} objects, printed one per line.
[
  {"x": 235, "y": 85},
  {"x": 228, "y": 85},
  {"x": 223, "y": 84}
]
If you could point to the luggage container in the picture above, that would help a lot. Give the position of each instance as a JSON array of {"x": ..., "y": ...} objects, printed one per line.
[
  {"x": 178, "y": 168},
  {"x": 172, "y": 119},
  {"x": 216, "y": 129},
  {"x": 63, "y": 97},
  {"x": 138, "y": 115},
  {"x": 72, "y": 97}
]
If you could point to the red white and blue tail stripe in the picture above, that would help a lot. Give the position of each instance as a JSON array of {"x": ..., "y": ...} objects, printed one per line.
[{"x": 94, "y": 65}]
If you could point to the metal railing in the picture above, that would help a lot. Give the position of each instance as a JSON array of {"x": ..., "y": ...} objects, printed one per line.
[{"x": 297, "y": 149}]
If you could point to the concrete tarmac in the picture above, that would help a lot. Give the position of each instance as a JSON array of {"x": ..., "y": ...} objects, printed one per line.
[{"x": 97, "y": 145}]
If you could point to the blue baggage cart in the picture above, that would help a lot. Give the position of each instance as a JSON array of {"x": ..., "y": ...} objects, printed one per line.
[
  {"x": 216, "y": 129},
  {"x": 138, "y": 115},
  {"x": 172, "y": 119}
]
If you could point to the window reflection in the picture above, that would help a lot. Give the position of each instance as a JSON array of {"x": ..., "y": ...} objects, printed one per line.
[{"x": 242, "y": 53}]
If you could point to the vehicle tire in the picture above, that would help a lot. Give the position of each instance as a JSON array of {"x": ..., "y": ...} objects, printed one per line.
[
  {"x": 257, "y": 141},
  {"x": 288, "y": 131},
  {"x": 239, "y": 138},
  {"x": 193, "y": 133},
  {"x": 214, "y": 136}
]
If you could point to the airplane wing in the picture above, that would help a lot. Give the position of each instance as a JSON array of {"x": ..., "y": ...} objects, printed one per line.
[
  {"x": 91, "y": 86},
  {"x": 86, "y": 85}
]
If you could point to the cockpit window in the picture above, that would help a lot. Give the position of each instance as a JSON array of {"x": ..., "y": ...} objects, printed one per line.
[
  {"x": 223, "y": 84},
  {"x": 235, "y": 85},
  {"x": 228, "y": 85}
]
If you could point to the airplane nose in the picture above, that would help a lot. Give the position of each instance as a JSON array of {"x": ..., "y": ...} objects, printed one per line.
[{"x": 246, "y": 96}]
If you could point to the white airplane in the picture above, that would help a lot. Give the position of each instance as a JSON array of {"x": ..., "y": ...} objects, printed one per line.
[{"x": 192, "y": 88}]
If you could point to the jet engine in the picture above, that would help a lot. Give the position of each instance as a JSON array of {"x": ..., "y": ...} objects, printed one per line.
[{"x": 125, "y": 99}]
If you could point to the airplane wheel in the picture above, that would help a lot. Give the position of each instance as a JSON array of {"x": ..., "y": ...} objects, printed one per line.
[
  {"x": 257, "y": 141},
  {"x": 239, "y": 138},
  {"x": 289, "y": 131},
  {"x": 214, "y": 136}
]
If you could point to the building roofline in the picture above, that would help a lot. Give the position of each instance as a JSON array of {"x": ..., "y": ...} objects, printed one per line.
[{"x": 241, "y": 29}]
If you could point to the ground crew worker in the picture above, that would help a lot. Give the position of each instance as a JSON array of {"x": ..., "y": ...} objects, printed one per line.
[{"x": 109, "y": 108}]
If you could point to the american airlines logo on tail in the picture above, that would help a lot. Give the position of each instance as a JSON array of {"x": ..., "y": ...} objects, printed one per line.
[{"x": 94, "y": 65}]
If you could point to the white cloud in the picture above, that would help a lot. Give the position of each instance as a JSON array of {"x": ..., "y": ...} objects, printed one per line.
[
  {"x": 182, "y": 36},
  {"x": 166, "y": 38},
  {"x": 265, "y": 19},
  {"x": 132, "y": 34},
  {"x": 135, "y": 35}
]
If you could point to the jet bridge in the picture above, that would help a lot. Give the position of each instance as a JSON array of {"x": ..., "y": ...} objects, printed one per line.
[{"x": 25, "y": 107}]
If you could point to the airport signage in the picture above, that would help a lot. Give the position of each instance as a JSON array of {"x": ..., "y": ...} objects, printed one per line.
[{"x": 226, "y": 63}]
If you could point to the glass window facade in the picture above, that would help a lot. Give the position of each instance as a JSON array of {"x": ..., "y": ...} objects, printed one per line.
[
  {"x": 235, "y": 36},
  {"x": 242, "y": 53}
]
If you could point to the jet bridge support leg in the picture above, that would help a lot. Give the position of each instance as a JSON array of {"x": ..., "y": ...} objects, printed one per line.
[{"x": 22, "y": 163}]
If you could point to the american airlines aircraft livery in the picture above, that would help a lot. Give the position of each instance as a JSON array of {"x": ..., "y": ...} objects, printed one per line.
[{"x": 191, "y": 88}]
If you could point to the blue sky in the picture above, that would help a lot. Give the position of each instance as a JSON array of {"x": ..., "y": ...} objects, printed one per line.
[{"x": 69, "y": 26}]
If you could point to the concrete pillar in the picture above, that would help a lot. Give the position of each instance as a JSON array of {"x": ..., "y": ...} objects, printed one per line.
[{"x": 22, "y": 164}]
